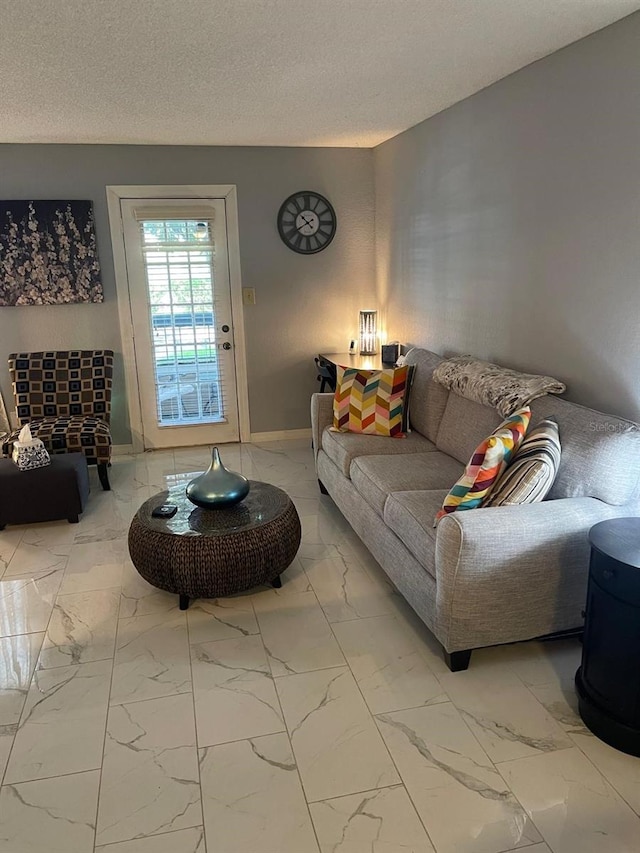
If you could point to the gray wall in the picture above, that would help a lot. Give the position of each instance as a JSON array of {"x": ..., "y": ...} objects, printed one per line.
[
  {"x": 304, "y": 304},
  {"x": 508, "y": 225}
]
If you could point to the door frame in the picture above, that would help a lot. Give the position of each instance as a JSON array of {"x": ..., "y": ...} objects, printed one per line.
[{"x": 228, "y": 193}]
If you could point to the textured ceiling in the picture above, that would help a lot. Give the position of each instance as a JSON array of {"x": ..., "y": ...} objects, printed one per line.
[{"x": 264, "y": 72}]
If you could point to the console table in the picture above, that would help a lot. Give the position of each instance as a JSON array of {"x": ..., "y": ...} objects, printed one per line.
[
  {"x": 360, "y": 362},
  {"x": 328, "y": 362}
]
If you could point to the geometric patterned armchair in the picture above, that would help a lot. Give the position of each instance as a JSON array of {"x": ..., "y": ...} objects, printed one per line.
[{"x": 65, "y": 396}]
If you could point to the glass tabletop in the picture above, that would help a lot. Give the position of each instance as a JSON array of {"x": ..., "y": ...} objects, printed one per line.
[{"x": 263, "y": 504}]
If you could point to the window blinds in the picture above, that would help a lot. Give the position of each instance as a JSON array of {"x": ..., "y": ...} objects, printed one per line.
[
  {"x": 179, "y": 261},
  {"x": 174, "y": 212}
]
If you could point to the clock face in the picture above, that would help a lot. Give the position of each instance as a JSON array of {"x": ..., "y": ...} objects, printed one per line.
[{"x": 307, "y": 222}]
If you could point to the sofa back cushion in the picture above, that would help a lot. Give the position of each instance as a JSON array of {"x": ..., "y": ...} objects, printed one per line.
[
  {"x": 463, "y": 425},
  {"x": 600, "y": 453},
  {"x": 428, "y": 399},
  {"x": 489, "y": 460}
]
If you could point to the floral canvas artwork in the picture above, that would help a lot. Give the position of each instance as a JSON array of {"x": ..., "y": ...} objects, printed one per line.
[{"x": 48, "y": 253}]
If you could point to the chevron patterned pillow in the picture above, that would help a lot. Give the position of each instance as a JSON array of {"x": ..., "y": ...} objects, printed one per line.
[
  {"x": 489, "y": 460},
  {"x": 370, "y": 401}
]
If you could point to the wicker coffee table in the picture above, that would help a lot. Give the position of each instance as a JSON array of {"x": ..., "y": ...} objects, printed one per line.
[{"x": 203, "y": 553}]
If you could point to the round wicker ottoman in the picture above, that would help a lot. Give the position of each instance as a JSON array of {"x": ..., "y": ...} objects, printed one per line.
[{"x": 203, "y": 553}]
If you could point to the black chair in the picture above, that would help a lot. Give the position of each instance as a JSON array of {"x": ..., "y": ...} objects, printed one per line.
[{"x": 326, "y": 374}]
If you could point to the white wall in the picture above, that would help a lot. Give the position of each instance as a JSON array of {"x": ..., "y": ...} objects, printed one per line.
[{"x": 508, "y": 226}]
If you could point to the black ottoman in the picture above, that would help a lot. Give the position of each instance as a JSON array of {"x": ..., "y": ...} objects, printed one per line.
[{"x": 59, "y": 490}]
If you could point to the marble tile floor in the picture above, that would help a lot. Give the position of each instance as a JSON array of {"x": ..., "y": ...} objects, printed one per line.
[{"x": 316, "y": 718}]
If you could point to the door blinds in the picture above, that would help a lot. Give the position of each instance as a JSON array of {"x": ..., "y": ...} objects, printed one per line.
[{"x": 179, "y": 261}]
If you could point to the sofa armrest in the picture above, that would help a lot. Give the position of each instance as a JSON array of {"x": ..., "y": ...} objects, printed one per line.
[
  {"x": 515, "y": 572},
  {"x": 321, "y": 417}
]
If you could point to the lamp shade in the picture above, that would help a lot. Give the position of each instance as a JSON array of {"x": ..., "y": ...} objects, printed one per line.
[{"x": 368, "y": 332}]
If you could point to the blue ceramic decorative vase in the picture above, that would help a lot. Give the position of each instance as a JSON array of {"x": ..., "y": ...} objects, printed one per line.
[{"x": 217, "y": 488}]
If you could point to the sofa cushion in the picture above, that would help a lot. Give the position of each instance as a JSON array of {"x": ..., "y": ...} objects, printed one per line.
[
  {"x": 487, "y": 463},
  {"x": 529, "y": 477},
  {"x": 463, "y": 426},
  {"x": 371, "y": 402},
  {"x": 410, "y": 515},
  {"x": 428, "y": 398},
  {"x": 343, "y": 447},
  {"x": 600, "y": 453},
  {"x": 375, "y": 477}
]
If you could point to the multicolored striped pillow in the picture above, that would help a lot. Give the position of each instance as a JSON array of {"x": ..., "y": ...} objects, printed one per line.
[
  {"x": 529, "y": 477},
  {"x": 370, "y": 401},
  {"x": 489, "y": 460}
]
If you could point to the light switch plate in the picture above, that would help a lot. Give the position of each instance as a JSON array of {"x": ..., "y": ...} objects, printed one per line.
[{"x": 248, "y": 296}]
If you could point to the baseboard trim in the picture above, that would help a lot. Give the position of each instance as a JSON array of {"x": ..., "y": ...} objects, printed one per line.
[
  {"x": 121, "y": 449},
  {"x": 281, "y": 434},
  {"x": 275, "y": 435}
]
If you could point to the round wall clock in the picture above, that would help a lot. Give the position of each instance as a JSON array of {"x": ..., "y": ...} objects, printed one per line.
[{"x": 307, "y": 222}]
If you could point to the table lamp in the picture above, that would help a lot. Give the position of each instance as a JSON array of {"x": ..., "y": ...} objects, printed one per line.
[{"x": 368, "y": 328}]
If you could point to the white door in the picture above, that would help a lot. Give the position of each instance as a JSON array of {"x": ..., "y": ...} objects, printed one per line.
[{"x": 179, "y": 291}]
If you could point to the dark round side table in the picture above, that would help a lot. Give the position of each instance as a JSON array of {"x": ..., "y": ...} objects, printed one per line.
[
  {"x": 608, "y": 680},
  {"x": 203, "y": 553}
]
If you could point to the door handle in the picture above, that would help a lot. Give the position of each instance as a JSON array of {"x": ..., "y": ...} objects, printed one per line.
[{"x": 226, "y": 345}]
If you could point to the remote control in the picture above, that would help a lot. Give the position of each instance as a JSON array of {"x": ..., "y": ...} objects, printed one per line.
[{"x": 165, "y": 511}]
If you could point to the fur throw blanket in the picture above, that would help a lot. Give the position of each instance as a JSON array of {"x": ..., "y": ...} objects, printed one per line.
[{"x": 504, "y": 389}]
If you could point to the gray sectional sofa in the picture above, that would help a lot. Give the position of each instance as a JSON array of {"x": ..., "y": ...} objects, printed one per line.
[{"x": 483, "y": 576}]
